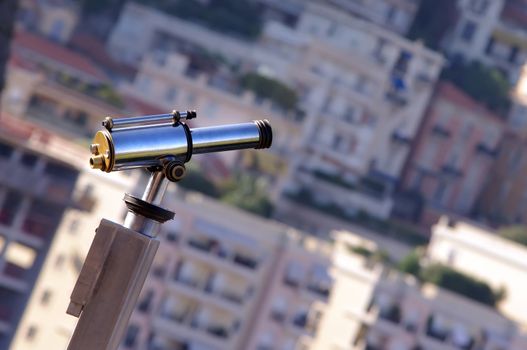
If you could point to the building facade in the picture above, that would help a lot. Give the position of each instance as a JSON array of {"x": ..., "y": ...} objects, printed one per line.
[
  {"x": 452, "y": 157},
  {"x": 43, "y": 181},
  {"x": 492, "y": 32},
  {"x": 480, "y": 252},
  {"x": 225, "y": 279},
  {"x": 374, "y": 308},
  {"x": 56, "y": 87}
]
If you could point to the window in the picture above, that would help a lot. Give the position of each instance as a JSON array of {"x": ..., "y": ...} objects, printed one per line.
[
  {"x": 513, "y": 55},
  {"x": 479, "y": 6},
  {"x": 171, "y": 94},
  {"x": 131, "y": 336},
  {"x": 5, "y": 151},
  {"x": 59, "y": 261},
  {"x": 28, "y": 160},
  {"x": 10, "y": 207},
  {"x": 46, "y": 296},
  {"x": 490, "y": 46},
  {"x": 468, "y": 31},
  {"x": 74, "y": 226},
  {"x": 31, "y": 333},
  {"x": 391, "y": 13}
]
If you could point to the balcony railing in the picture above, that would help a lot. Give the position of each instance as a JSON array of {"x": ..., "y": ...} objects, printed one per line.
[
  {"x": 14, "y": 271},
  {"x": 319, "y": 290},
  {"x": 245, "y": 261}
]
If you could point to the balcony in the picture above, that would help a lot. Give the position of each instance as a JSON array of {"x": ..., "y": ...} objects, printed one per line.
[
  {"x": 319, "y": 290},
  {"x": 245, "y": 261},
  {"x": 396, "y": 98},
  {"x": 177, "y": 329},
  {"x": 486, "y": 150},
  {"x": 215, "y": 255},
  {"x": 399, "y": 138},
  {"x": 278, "y": 316},
  {"x": 440, "y": 131},
  {"x": 192, "y": 289},
  {"x": 391, "y": 313}
]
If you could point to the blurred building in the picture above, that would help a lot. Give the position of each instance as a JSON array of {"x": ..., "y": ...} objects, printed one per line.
[
  {"x": 364, "y": 91},
  {"x": 54, "y": 19},
  {"x": 393, "y": 15},
  {"x": 504, "y": 199},
  {"x": 451, "y": 158},
  {"x": 168, "y": 80},
  {"x": 57, "y": 87},
  {"x": 373, "y": 308},
  {"x": 478, "y": 251},
  {"x": 45, "y": 192},
  {"x": 492, "y": 32},
  {"x": 225, "y": 279}
]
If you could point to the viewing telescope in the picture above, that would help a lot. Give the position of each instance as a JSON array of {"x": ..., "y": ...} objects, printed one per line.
[
  {"x": 120, "y": 256},
  {"x": 160, "y": 140}
]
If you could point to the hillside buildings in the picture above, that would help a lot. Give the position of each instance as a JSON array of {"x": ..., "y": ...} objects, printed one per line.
[
  {"x": 452, "y": 157},
  {"x": 492, "y": 32},
  {"x": 225, "y": 279},
  {"x": 47, "y": 195}
]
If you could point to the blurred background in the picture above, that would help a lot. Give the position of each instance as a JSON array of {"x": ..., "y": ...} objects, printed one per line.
[{"x": 390, "y": 212}]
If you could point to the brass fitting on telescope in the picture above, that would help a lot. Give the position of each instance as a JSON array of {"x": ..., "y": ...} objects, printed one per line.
[{"x": 102, "y": 151}]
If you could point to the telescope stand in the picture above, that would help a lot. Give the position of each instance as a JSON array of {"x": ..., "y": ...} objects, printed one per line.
[{"x": 115, "y": 270}]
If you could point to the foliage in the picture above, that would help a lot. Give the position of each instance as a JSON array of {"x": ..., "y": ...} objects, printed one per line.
[
  {"x": 247, "y": 193},
  {"x": 240, "y": 17},
  {"x": 432, "y": 22},
  {"x": 460, "y": 283},
  {"x": 517, "y": 233},
  {"x": 242, "y": 191},
  {"x": 411, "y": 263},
  {"x": 487, "y": 85},
  {"x": 388, "y": 228},
  {"x": 195, "y": 181},
  {"x": 272, "y": 89}
]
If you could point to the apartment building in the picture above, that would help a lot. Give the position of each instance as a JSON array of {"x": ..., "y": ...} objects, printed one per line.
[
  {"x": 365, "y": 91},
  {"x": 168, "y": 80},
  {"x": 55, "y": 19},
  {"x": 362, "y": 88},
  {"x": 394, "y": 15},
  {"x": 225, "y": 279},
  {"x": 479, "y": 251},
  {"x": 56, "y": 87},
  {"x": 44, "y": 186},
  {"x": 452, "y": 157},
  {"x": 492, "y": 32},
  {"x": 374, "y": 308},
  {"x": 503, "y": 201}
]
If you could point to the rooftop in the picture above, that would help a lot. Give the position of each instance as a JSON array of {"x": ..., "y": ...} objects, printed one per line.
[
  {"x": 448, "y": 91},
  {"x": 36, "y": 45}
]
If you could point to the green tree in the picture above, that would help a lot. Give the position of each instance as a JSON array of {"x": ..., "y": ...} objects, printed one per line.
[
  {"x": 265, "y": 87},
  {"x": 432, "y": 22},
  {"x": 247, "y": 193},
  {"x": 487, "y": 85},
  {"x": 460, "y": 283},
  {"x": 194, "y": 180},
  {"x": 239, "y": 17},
  {"x": 411, "y": 263},
  {"x": 517, "y": 233}
]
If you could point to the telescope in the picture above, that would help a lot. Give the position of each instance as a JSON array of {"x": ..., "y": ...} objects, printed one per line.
[{"x": 120, "y": 256}]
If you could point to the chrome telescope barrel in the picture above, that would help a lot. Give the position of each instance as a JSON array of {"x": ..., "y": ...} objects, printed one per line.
[{"x": 147, "y": 145}]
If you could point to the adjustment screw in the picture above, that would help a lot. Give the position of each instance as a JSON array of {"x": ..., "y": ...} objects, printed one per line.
[{"x": 94, "y": 148}]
